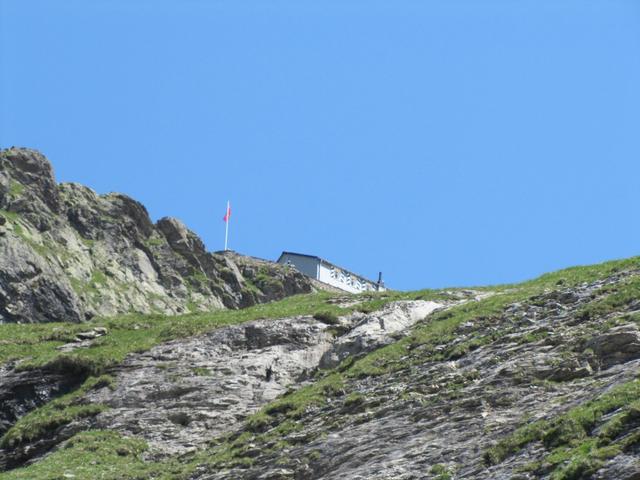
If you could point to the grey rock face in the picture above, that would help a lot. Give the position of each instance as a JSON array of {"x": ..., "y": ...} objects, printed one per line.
[
  {"x": 623, "y": 467},
  {"x": 618, "y": 345},
  {"x": 447, "y": 413},
  {"x": 374, "y": 330},
  {"x": 68, "y": 254},
  {"x": 182, "y": 394},
  {"x": 22, "y": 391},
  {"x": 30, "y": 287}
]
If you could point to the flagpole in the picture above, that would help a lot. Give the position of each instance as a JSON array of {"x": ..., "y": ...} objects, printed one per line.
[{"x": 226, "y": 228}]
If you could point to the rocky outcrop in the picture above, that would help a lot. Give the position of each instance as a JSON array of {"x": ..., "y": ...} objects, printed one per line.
[
  {"x": 368, "y": 332},
  {"x": 68, "y": 254},
  {"x": 618, "y": 345},
  {"x": 441, "y": 409},
  {"x": 22, "y": 391},
  {"x": 181, "y": 394}
]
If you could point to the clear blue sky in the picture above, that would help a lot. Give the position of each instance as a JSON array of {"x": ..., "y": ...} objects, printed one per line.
[{"x": 443, "y": 142}]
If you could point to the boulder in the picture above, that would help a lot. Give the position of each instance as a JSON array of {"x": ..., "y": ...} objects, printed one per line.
[
  {"x": 618, "y": 345},
  {"x": 180, "y": 238},
  {"x": 31, "y": 174}
]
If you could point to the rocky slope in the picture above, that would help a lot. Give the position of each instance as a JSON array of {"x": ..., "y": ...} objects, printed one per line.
[
  {"x": 180, "y": 393},
  {"x": 527, "y": 381},
  {"x": 538, "y": 380},
  {"x": 544, "y": 388},
  {"x": 69, "y": 254}
]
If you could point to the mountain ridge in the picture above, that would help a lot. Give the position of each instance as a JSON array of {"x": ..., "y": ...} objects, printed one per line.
[{"x": 82, "y": 254}]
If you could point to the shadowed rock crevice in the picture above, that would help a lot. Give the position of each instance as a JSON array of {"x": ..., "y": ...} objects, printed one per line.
[{"x": 23, "y": 391}]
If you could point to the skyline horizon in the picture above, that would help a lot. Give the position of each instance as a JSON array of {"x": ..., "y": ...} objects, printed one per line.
[
  {"x": 347, "y": 268},
  {"x": 443, "y": 143}
]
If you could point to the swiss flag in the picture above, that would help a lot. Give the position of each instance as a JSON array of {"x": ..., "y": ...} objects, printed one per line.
[{"x": 227, "y": 215}]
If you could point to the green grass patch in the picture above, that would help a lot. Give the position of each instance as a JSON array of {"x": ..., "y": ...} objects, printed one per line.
[
  {"x": 201, "y": 372},
  {"x": 38, "y": 340},
  {"x": 199, "y": 278},
  {"x": 15, "y": 189},
  {"x": 575, "y": 450},
  {"x": 615, "y": 297},
  {"x": 354, "y": 400},
  {"x": 100, "y": 454},
  {"x": 155, "y": 241},
  {"x": 98, "y": 278},
  {"x": 373, "y": 301},
  {"x": 535, "y": 336},
  {"x": 441, "y": 472},
  {"x": 329, "y": 318},
  {"x": 11, "y": 216},
  {"x": 90, "y": 287},
  {"x": 294, "y": 404},
  {"x": 36, "y": 344},
  {"x": 264, "y": 281},
  {"x": 573, "y": 276},
  {"x": 88, "y": 242},
  {"x": 58, "y": 412}
]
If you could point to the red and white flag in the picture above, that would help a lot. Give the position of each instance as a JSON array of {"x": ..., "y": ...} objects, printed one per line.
[
  {"x": 227, "y": 215},
  {"x": 226, "y": 218}
]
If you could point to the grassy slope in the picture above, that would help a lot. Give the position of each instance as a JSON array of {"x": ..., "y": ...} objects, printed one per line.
[
  {"x": 129, "y": 334},
  {"x": 35, "y": 345}
]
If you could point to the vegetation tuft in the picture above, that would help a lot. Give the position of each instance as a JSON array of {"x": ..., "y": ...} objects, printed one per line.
[
  {"x": 330, "y": 318},
  {"x": 100, "y": 454}
]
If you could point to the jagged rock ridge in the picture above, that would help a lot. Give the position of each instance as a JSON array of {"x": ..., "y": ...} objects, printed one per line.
[{"x": 68, "y": 254}]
